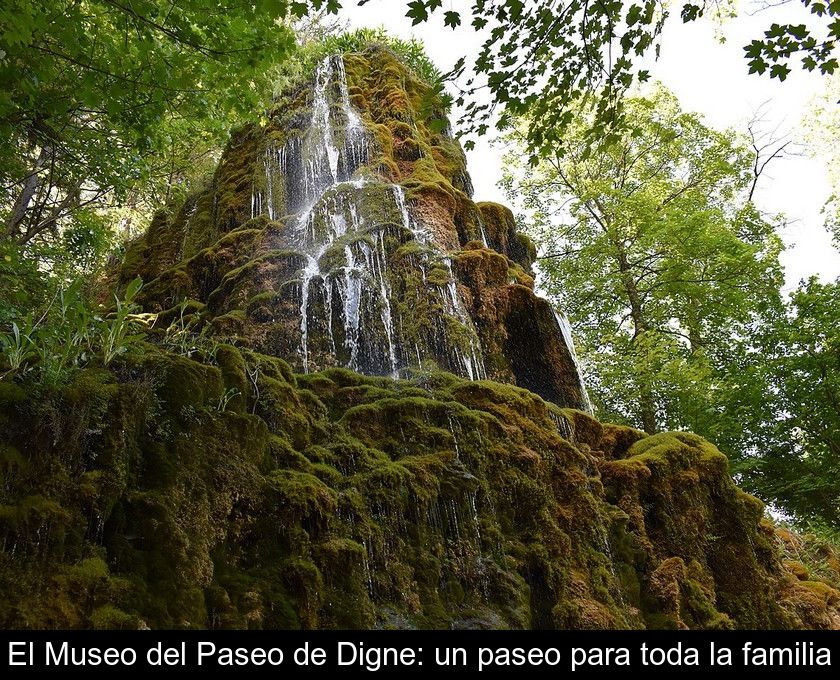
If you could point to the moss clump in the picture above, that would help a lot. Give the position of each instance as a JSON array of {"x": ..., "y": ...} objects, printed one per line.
[{"x": 501, "y": 234}]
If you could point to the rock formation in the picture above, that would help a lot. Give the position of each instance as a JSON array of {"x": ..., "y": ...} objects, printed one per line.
[
  {"x": 353, "y": 411},
  {"x": 344, "y": 234}
]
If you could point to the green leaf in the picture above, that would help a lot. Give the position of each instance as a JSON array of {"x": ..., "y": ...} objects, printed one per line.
[
  {"x": 132, "y": 289},
  {"x": 417, "y": 12},
  {"x": 690, "y": 12},
  {"x": 779, "y": 71},
  {"x": 452, "y": 19}
]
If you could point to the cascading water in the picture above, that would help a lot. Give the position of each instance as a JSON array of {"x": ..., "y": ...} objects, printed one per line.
[
  {"x": 348, "y": 222},
  {"x": 566, "y": 330},
  {"x": 482, "y": 232}
]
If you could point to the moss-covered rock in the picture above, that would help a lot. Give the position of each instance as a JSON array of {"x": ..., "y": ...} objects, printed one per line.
[
  {"x": 335, "y": 500},
  {"x": 237, "y": 245}
]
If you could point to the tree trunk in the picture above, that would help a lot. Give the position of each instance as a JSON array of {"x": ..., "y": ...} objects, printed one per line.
[
  {"x": 30, "y": 186},
  {"x": 647, "y": 400},
  {"x": 647, "y": 408}
]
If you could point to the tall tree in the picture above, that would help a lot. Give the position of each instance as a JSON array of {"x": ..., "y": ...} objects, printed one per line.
[
  {"x": 98, "y": 94},
  {"x": 652, "y": 248}
]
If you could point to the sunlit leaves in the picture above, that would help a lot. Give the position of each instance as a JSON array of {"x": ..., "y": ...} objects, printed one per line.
[
  {"x": 108, "y": 89},
  {"x": 540, "y": 54},
  {"x": 651, "y": 248}
]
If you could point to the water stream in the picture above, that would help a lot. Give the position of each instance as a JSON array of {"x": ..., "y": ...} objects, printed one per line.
[
  {"x": 348, "y": 222},
  {"x": 566, "y": 331}
]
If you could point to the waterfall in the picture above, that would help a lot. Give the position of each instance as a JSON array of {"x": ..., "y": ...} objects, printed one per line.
[
  {"x": 347, "y": 223},
  {"x": 309, "y": 272},
  {"x": 482, "y": 232},
  {"x": 566, "y": 331}
]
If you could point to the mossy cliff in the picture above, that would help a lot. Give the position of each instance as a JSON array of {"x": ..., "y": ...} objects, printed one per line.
[
  {"x": 145, "y": 496},
  {"x": 343, "y": 233},
  {"x": 233, "y": 472}
]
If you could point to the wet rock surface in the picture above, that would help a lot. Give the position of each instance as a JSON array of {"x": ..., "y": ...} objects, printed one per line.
[{"x": 336, "y": 233}]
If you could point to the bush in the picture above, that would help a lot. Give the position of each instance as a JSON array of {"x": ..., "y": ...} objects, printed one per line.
[
  {"x": 68, "y": 335},
  {"x": 411, "y": 52}
]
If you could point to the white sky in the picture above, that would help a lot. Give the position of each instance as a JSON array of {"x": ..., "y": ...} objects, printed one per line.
[{"x": 708, "y": 77}]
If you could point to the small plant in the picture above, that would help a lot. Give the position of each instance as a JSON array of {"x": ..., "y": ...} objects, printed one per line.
[
  {"x": 181, "y": 337},
  {"x": 68, "y": 335},
  {"x": 17, "y": 348},
  {"x": 117, "y": 334},
  {"x": 226, "y": 398},
  {"x": 64, "y": 340},
  {"x": 254, "y": 374}
]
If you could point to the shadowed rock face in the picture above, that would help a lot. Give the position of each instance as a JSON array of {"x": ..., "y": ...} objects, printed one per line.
[{"x": 334, "y": 236}]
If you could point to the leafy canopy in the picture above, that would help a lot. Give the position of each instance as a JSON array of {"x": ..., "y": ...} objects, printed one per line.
[
  {"x": 796, "y": 430},
  {"x": 653, "y": 250},
  {"x": 546, "y": 57},
  {"x": 95, "y": 94},
  {"x": 411, "y": 52}
]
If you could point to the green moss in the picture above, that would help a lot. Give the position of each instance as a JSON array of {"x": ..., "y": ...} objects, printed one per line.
[
  {"x": 616, "y": 440},
  {"x": 183, "y": 383},
  {"x": 11, "y": 394},
  {"x": 109, "y": 617},
  {"x": 232, "y": 366},
  {"x": 430, "y": 501},
  {"x": 231, "y": 324},
  {"x": 585, "y": 429},
  {"x": 11, "y": 461},
  {"x": 302, "y": 497}
]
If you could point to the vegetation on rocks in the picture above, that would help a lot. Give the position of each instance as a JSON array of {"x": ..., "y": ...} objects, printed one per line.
[
  {"x": 321, "y": 391},
  {"x": 332, "y": 499}
]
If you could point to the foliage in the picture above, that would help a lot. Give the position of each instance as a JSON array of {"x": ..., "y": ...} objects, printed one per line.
[
  {"x": 68, "y": 335},
  {"x": 411, "y": 52},
  {"x": 548, "y": 57},
  {"x": 117, "y": 336},
  {"x": 539, "y": 54},
  {"x": 656, "y": 257},
  {"x": 672, "y": 283},
  {"x": 183, "y": 336},
  {"x": 300, "y": 66},
  {"x": 823, "y": 132},
  {"x": 106, "y": 102},
  {"x": 784, "y": 42},
  {"x": 20, "y": 282},
  {"x": 798, "y": 442}
]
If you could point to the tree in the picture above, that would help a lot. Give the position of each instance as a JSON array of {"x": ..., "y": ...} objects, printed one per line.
[
  {"x": 823, "y": 133},
  {"x": 100, "y": 96},
  {"x": 660, "y": 261},
  {"x": 796, "y": 450}
]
